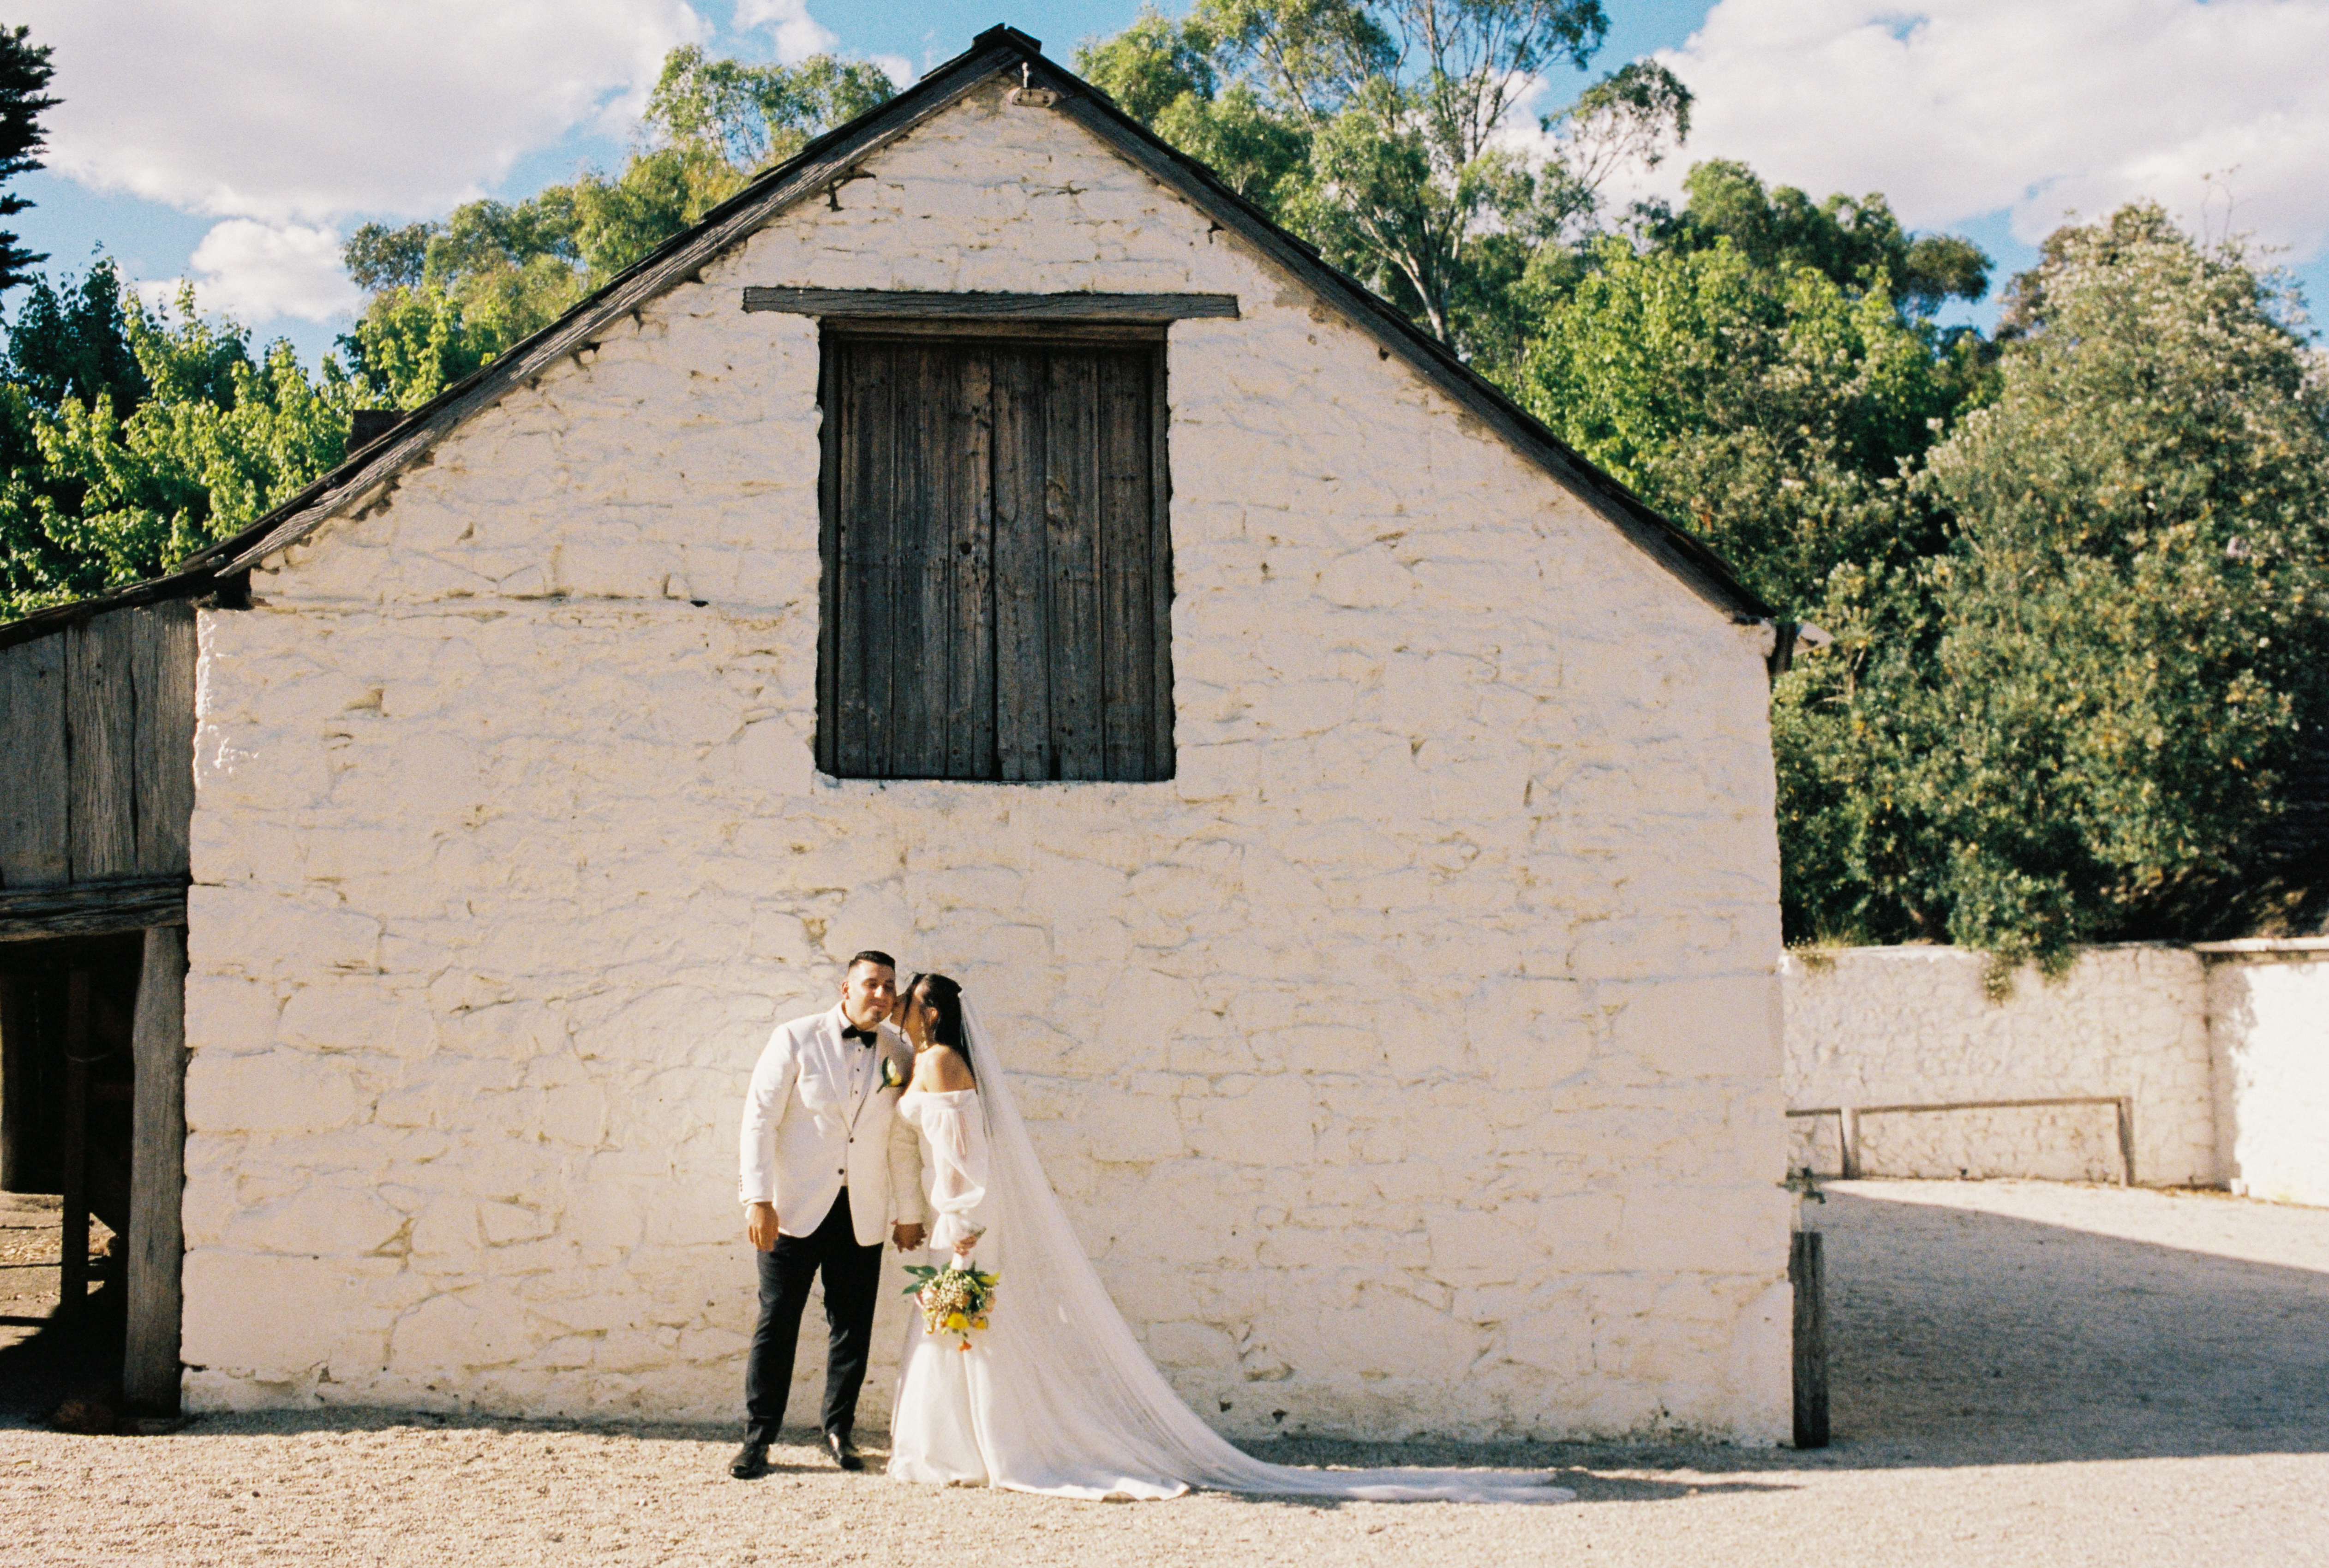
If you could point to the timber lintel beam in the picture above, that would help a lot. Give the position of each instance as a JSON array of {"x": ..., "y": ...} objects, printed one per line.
[
  {"x": 93, "y": 909},
  {"x": 905, "y": 305}
]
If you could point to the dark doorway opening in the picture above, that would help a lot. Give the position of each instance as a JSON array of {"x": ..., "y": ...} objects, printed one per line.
[{"x": 67, "y": 1008}]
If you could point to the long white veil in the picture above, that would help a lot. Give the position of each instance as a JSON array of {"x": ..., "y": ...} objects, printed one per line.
[{"x": 1092, "y": 1395}]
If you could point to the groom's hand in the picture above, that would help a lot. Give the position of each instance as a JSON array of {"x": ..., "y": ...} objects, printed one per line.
[
  {"x": 909, "y": 1238},
  {"x": 760, "y": 1225}
]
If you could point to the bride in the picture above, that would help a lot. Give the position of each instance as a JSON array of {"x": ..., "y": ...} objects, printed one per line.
[{"x": 1056, "y": 1395}]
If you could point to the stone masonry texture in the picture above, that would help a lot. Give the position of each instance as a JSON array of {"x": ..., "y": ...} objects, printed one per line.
[
  {"x": 1913, "y": 1026},
  {"x": 1409, "y": 1062}
]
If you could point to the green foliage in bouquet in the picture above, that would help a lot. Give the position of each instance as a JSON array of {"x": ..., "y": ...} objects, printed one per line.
[{"x": 955, "y": 1299}]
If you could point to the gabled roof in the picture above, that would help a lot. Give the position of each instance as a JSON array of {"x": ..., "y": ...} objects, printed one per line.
[{"x": 815, "y": 170}]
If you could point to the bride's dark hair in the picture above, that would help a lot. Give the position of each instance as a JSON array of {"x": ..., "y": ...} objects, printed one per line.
[{"x": 944, "y": 997}]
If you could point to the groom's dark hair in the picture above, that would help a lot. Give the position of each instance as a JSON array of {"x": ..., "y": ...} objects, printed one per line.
[{"x": 873, "y": 956}]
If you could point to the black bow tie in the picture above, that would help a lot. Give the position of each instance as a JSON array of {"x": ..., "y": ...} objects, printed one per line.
[{"x": 862, "y": 1036}]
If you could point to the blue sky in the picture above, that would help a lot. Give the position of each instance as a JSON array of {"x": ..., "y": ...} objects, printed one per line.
[{"x": 238, "y": 145}]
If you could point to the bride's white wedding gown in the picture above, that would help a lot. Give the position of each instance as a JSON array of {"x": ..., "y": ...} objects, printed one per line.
[{"x": 1057, "y": 1396}]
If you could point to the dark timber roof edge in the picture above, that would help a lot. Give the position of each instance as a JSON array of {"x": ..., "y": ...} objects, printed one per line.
[{"x": 373, "y": 470}]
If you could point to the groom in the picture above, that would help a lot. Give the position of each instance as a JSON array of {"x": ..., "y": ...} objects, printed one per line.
[{"x": 827, "y": 1168}]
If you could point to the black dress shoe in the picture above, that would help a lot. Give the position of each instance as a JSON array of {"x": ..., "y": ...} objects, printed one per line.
[
  {"x": 844, "y": 1452},
  {"x": 752, "y": 1461}
]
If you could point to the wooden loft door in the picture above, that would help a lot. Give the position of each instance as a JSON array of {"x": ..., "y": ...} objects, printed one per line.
[{"x": 997, "y": 561}]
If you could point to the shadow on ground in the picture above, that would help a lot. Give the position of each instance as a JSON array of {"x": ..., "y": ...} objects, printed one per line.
[{"x": 1957, "y": 1338}]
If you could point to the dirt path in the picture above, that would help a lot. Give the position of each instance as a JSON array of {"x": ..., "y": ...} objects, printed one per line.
[{"x": 2026, "y": 1374}]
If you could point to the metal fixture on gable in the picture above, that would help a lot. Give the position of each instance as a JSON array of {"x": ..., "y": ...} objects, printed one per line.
[{"x": 1027, "y": 95}]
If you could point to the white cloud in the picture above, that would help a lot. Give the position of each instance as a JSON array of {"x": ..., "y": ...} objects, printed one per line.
[
  {"x": 797, "y": 33},
  {"x": 300, "y": 111},
  {"x": 254, "y": 271},
  {"x": 1956, "y": 109}
]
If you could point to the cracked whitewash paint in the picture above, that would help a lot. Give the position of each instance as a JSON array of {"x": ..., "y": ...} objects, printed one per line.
[{"x": 1409, "y": 1062}]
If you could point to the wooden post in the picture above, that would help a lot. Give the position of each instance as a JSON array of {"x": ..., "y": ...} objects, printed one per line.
[
  {"x": 2126, "y": 1141},
  {"x": 157, "y": 1166},
  {"x": 1807, "y": 1273},
  {"x": 15, "y": 1096},
  {"x": 72, "y": 1266},
  {"x": 1847, "y": 1138}
]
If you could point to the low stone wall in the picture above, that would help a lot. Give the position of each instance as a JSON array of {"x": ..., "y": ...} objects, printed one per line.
[
  {"x": 1902, "y": 1026},
  {"x": 2217, "y": 1055},
  {"x": 2268, "y": 1013}
]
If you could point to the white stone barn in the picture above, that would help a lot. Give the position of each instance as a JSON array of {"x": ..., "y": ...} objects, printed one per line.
[{"x": 1386, "y": 944}]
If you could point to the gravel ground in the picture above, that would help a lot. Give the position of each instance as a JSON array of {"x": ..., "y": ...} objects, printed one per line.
[{"x": 2023, "y": 1374}]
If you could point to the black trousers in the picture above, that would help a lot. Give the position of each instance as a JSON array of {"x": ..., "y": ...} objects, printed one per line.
[{"x": 852, "y": 1275}]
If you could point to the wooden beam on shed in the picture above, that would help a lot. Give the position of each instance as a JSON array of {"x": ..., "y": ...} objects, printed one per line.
[
  {"x": 161, "y": 669},
  {"x": 35, "y": 824},
  {"x": 97, "y": 909},
  {"x": 73, "y": 1253},
  {"x": 15, "y": 1086},
  {"x": 157, "y": 1171},
  {"x": 102, "y": 727},
  {"x": 905, "y": 305}
]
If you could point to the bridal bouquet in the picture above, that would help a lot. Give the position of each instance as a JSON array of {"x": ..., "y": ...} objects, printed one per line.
[{"x": 955, "y": 1299}]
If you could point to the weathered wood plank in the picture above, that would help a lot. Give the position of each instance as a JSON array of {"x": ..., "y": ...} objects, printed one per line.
[
  {"x": 1102, "y": 333},
  {"x": 1071, "y": 556},
  {"x": 93, "y": 909},
  {"x": 1808, "y": 1274},
  {"x": 35, "y": 787},
  {"x": 919, "y": 623},
  {"x": 162, "y": 673},
  {"x": 911, "y": 304},
  {"x": 1126, "y": 646},
  {"x": 832, "y": 456},
  {"x": 72, "y": 1257},
  {"x": 157, "y": 1166},
  {"x": 970, "y": 521},
  {"x": 880, "y": 535},
  {"x": 102, "y": 734},
  {"x": 1022, "y": 680},
  {"x": 864, "y": 406},
  {"x": 1160, "y": 572}
]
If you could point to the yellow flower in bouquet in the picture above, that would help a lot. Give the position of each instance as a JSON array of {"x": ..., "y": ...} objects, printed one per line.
[{"x": 955, "y": 1299}]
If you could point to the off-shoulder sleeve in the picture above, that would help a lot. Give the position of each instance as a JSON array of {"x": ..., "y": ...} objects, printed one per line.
[{"x": 956, "y": 1127}]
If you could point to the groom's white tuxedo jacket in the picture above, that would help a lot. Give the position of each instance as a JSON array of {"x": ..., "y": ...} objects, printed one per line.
[{"x": 806, "y": 1133}]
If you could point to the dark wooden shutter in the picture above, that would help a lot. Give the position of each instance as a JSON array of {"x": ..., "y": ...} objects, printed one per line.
[{"x": 998, "y": 563}]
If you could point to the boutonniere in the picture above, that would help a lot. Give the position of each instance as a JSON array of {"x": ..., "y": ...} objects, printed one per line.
[{"x": 892, "y": 1075}]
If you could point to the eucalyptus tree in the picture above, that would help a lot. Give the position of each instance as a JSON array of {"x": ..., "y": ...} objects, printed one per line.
[{"x": 1393, "y": 133}]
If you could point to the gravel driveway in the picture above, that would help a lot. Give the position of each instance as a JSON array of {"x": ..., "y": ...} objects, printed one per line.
[{"x": 2024, "y": 1373}]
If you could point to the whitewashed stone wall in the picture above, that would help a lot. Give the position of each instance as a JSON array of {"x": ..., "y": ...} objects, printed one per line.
[
  {"x": 1912, "y": 1026},
  {"x": 2269, "y": 1017},
  {"x": 1409, "y": 1062}
]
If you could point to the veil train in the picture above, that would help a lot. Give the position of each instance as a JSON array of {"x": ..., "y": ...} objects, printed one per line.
[{"x": 1093, "y": 1399}]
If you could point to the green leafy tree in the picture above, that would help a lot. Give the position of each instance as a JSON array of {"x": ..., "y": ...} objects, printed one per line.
[
  {"x": 1383, "y": 132},
  {"x": 25, "y": 72},
  {"x": 448, "y": 296},
  {"x": 138, "y": 436},
  {"x": 1771, "y": 407},
  {"x": 1852, "y": 241},
  {"x": 2098, "y": 691}
]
